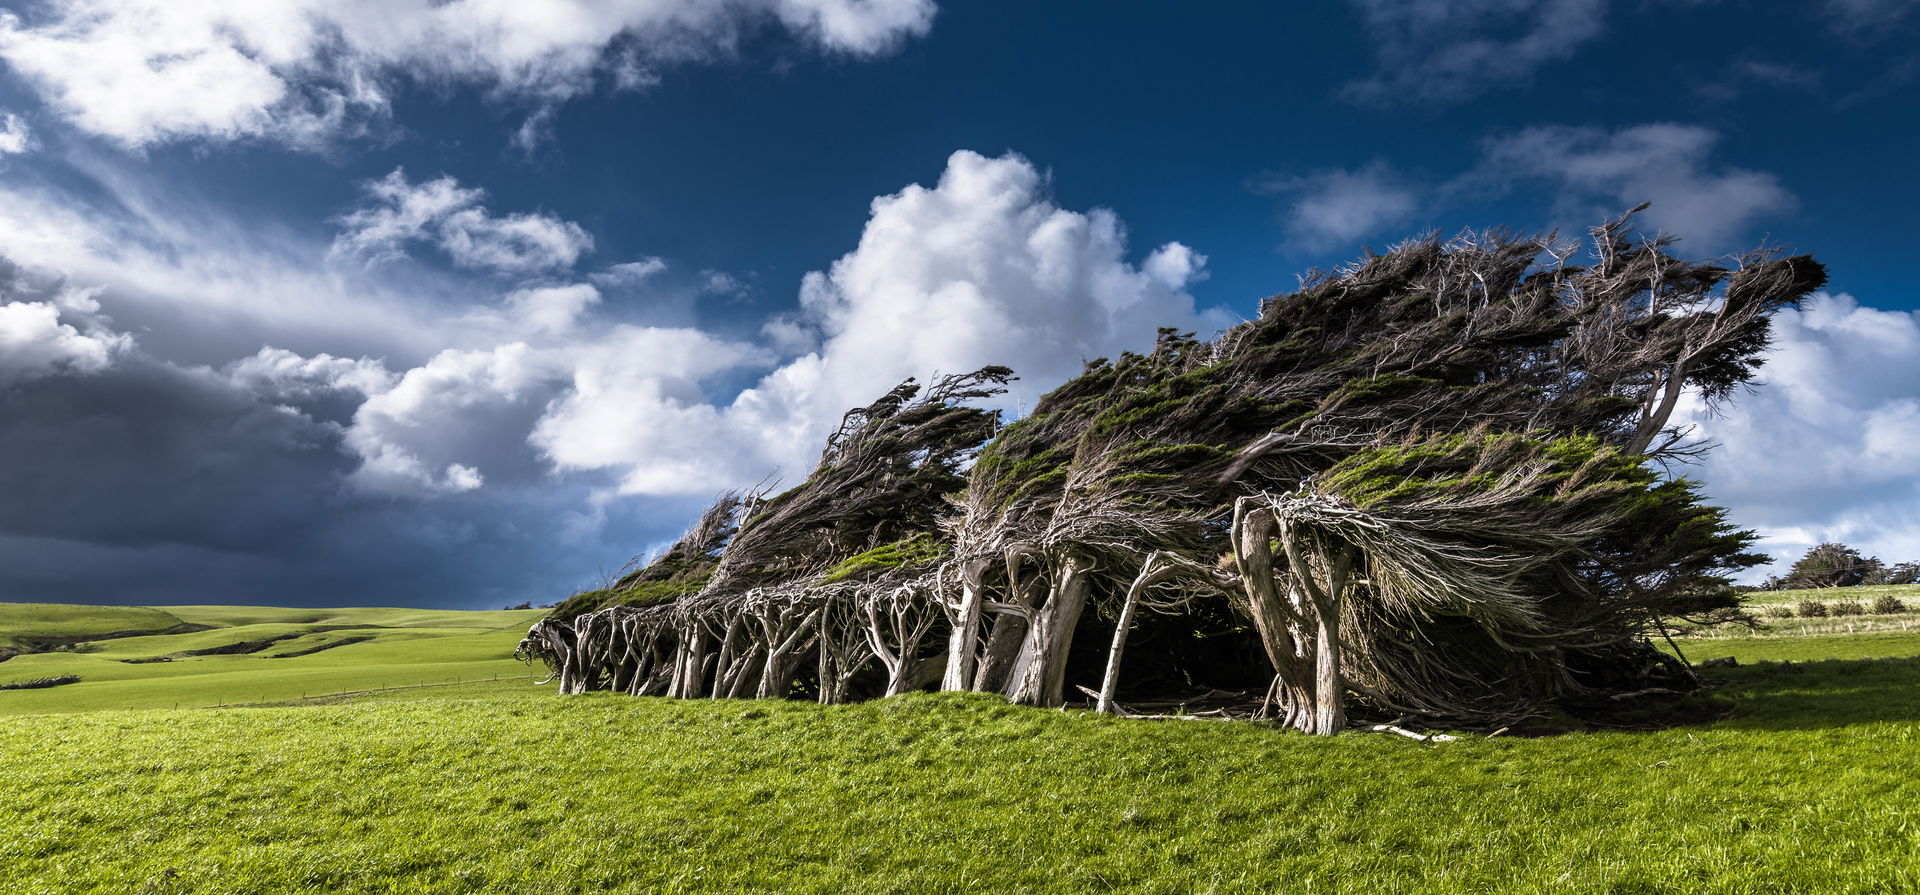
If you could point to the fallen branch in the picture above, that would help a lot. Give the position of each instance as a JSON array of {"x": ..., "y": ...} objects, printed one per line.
[{"x": 1422, "y": 737}]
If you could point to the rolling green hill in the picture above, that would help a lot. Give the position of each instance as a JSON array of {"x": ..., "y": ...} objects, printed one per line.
[
  {"x": 35, "y": 624},
  {"x": 192, "y": 656}
]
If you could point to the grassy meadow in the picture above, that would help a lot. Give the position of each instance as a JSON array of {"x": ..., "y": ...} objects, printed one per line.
[
  {"x": 1804, "y": 785},
  {"x": 196, "y": 656},
  {"x": 1797, "y": 638}
]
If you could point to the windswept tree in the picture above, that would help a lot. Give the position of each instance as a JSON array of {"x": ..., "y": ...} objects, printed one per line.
[
  {"x": 761, "y": 584},
  {"x": 1470, "y": 576},
  {"x": 1831, "y": 564},
  {"x": 1425, "y": 484},
  {"x": 1179, "y": 455}
]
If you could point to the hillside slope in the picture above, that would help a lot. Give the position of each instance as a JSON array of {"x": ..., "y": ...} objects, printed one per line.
[{"x": 191, "y": 656}]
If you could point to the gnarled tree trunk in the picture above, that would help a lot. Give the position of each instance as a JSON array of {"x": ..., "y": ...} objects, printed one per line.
[{"x": 1039, "y": 672}]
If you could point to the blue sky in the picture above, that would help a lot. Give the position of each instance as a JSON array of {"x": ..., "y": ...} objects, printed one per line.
[{"x": 464, "y": 304}]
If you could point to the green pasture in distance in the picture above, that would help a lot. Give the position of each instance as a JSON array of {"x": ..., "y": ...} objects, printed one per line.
[
  {"x": 1886, "y": 628},
  {"x": 1808, "y": 648},
  {"x": 510, "y": 789},
  {"x": 228, "y": 616},
  {"x": 1865, "y": 594},
  {"x": 59, "y": 620},
  {"x": 364, "y": 649}
]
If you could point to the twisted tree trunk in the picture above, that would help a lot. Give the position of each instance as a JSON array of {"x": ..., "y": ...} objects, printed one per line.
[
  {"x": 1011, "y": 622},
  {"x": 1151, "y": 572},
  {"x": 964, "y": 640},
  {"x": 788, "y": 635},
  {"x": 1039, "y": 672},
  {"x": 896, "y": 625},
  {"x": 1300, "y": 633}
]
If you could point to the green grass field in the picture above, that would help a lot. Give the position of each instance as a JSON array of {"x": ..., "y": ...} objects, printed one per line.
[
  {"x": 1766, "y": 605},
  {"x": 502, "y": 787},
  {"x": 345, "y": 650}
]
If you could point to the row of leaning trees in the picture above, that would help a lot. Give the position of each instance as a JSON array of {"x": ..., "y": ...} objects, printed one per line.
[{"x": 1422, "y": 485}]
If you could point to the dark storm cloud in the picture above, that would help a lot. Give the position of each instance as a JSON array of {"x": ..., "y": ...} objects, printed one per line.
[
  {"x": 149, "y": 483},
  {"x": 180, "y": 455}
]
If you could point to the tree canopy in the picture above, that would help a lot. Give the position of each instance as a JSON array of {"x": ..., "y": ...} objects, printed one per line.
[{"x": 1429, "y": 483}]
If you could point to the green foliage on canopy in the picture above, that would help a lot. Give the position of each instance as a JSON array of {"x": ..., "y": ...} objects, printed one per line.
[{"x": 920, "y": 551}]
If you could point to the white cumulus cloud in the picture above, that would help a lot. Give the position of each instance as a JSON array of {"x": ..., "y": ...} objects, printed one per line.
[
  {"x": 444, "y": 423},
  {"x": 636, "y": 402},
  {"x": 35, "y": 342},
  {"x": 552, "y": 309},
  {"x": 1828, "y": 446},
  {"x": 279, "y": 374},
  {"x": 300, "y": 71},
  {"x": 447, "y": 215},
  {"x": 509, "y": 413},
  {"x": 1175, "y": 265},
  {"x": 981, "y": 268}
]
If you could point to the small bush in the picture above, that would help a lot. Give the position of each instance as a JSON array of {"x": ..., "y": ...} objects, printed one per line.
[
  {"x": 1888, "y": 604},
  {"x": 1781, "y": 611},
  {"x": 1847, "y": 607},
  {"x": 1811, "y": 609}
]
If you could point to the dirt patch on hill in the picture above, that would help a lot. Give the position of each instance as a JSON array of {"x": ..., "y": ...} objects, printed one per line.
[{"x": 241, "y": 648}]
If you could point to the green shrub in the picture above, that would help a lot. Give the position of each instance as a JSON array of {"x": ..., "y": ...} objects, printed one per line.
[
  {"x": 1848, "y": 607},
  {"x": 1781, "y": 611},
  {"x": 1888, "y": 604},
  {"x": 1811, "y": 609},
  {"x": 41, "y": 682}
]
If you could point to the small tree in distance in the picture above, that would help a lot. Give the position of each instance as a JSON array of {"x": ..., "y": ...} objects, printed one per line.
[{"x": 1831, "y": 564}]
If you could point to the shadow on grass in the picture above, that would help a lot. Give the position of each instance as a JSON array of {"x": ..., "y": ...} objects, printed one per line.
[{"x": 1825, "y": 694}]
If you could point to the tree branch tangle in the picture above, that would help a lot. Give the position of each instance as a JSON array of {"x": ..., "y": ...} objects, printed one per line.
[{"x": 1426, "y": 485}]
